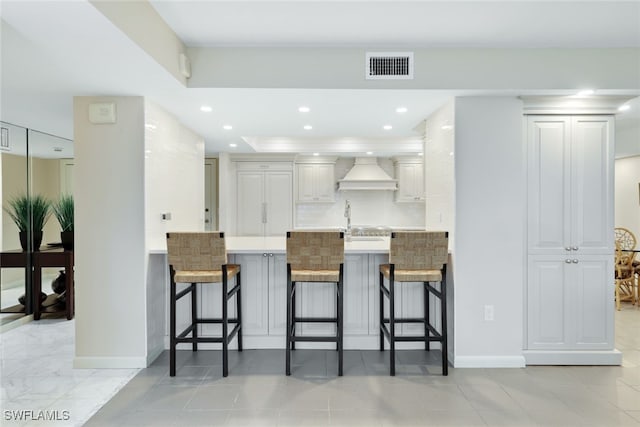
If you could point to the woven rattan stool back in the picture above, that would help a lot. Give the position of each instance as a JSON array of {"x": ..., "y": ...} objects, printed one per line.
[
  {"x": 419, "y": 250},
  {"x": 196, "y": 251},
  {"x": 315, "y": 250}
]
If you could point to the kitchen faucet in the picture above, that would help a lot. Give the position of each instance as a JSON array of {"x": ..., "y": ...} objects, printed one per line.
[{"x": 347, "y": 214}]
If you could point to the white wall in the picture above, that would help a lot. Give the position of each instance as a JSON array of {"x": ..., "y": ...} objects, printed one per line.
[
  {"x": 627, "y": 194},
  {"x": 367, "y": 207},
  {"x": 174, "y": 184},
  {"x": 174, "y": 176},
  {"x": 489, "y": 261},
  {"x": 110, "y": 236},
  {"x": 439, "y": 171}
]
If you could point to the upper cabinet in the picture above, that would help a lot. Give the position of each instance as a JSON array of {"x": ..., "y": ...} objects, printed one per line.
[
  {"x": 410, "y": 176},
  {"x": 570, "y": 184},
  {"x": 315, "y": 180}
]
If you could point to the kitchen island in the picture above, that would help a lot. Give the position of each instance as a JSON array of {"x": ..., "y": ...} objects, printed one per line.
[{"x": 264, "y": 275}]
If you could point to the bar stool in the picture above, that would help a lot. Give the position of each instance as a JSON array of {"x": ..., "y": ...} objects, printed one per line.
[
  {"x": 415, "y": 257},
  {"x": 314, "y": 256},
  {"x": 194, "y": 258}
]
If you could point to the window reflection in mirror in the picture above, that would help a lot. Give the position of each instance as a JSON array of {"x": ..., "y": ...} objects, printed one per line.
[{"x": 32, "y": 163}]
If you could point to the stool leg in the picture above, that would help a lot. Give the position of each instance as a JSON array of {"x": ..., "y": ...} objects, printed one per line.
[
  {"x": 288, "y": 323},
  {"x": 293, "y": 314},
  {"x": 392, "y": 324},
  {"x": 239, "y": 307},
  {"x": 381, "y": 312},
  {"x": 225, "y": 325},
  {"x": 337, "y": 318},
  {"x": 427, "y": 294},
  {"x": 340, "y": 310},
  {"x": 172, "y": 327},
  {"x": 194, "y": 315},
  {"x": 443, "y": 311}
]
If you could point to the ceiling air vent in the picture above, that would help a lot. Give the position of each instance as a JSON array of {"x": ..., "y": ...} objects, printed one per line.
[{"x": 389, "y": 65}]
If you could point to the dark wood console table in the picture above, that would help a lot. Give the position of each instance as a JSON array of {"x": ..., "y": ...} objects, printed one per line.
[
  {"x": 52, "y": 257},
  {"x": 19, "y": 259}
]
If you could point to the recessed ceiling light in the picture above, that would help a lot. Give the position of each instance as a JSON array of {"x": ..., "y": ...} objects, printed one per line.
[
  {"x": 586, "y": 92},
  {"x": 304, "y": 109},
  {"x": 308, "y": 127},
  {"x": 206, "y": 109},
  {"x": 233, "y": 145},
  {"x": 227, "y": 127},
  {"x": 149, "y": 126},
  {"x": 369, "y": 153},
  {"x": 401, "y": 110},
  {"x": 387, "y": 127},
  {"x": 446, "y": 127},
  {"x": 316, "y": 154},
  {"x": 420, "y": 154},
  {"x": 624, "y": 107},
  {"x": 451, "y": 153}
]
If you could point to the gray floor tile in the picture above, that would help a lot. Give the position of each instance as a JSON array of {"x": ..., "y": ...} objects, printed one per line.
[{"x": 303, "y": 418}]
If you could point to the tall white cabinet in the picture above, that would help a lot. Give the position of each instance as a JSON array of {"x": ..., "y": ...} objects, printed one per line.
[
  {"x": 264, "y": 198},
  {"x": 570, "y": 240}
]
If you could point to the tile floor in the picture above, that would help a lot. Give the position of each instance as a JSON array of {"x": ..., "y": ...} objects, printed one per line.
[{"x": 258, "y": 393}]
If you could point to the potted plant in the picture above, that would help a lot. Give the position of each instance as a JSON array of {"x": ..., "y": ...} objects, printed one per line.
[
  {"x": 30, "y": 213},
  {"x": 63, "y": 210}
]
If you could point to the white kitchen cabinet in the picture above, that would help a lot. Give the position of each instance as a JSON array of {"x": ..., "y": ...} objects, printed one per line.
[
  {"x": 410, "y": 176},
  {"x": 254, "y": 271},
  {"x": 570, "y": 180},
  {"x": 264, "y": 199},
  {"x": 570, "y": 235},
  {"x": 315, "y": 182},
  {"x": 319, "y": 300},
  {"x": 570, "y": 303}
]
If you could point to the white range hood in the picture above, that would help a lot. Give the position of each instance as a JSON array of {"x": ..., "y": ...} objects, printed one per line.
[{"x": 366, "y": 174}]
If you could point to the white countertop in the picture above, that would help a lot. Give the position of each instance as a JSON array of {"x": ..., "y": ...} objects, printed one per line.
[{"x": 278, "y": 245}]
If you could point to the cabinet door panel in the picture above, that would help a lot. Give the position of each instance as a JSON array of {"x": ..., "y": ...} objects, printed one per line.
[
  {"x": 316, "y": 300},
  {"x": 249, "y": 206},
  {"x": 356, "y": 295},
  {"x": 255, "y": 313},
  {"x": 548, "y": 184},
  {"x": 593, "y": 295},
  {"x": 548, "y": 303},
  {"x": 277, "y": 295},
  {"x": 324, "y": 183},
  {"x": 591, "y": 185},
  {"x": 278, "y": 197},
  {"x": 305, "y": 183}
]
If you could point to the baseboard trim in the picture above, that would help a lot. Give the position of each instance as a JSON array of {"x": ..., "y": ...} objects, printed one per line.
[
  {"x": 109, "y": 362},
  {"x": 153, "y": 355},
  {"x": 489, "y": 362},
  {"x": 15, "y": 323},
  {"x": 575, "y": 357}
]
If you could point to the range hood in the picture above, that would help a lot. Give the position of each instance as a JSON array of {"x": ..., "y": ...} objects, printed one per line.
[{"x": 366, "y": 174}]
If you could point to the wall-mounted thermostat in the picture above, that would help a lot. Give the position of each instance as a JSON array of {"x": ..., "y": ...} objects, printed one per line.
[{"x": 102, "y": 113}]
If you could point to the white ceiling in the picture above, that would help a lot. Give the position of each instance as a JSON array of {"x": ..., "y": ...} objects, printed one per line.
[{"x": 53, "y": 50}]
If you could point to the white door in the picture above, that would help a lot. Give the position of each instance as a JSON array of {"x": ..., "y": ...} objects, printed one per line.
[
  {"x": 210, "y": 194},
  {"x": 592, "y": 295},
  {"x": 250, "y": 208},
  {"x": 278, "y": 203},
  {"x": 549, "y": 303},
  {"x": 549, "y": 186},
  {"x": 66, "y": 176},
  {"x": 591, "y": 185},
  {"x": 255, "y": 310}
]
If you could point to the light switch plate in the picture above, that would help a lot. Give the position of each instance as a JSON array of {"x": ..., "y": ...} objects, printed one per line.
[{"x": 100, "y": 113}]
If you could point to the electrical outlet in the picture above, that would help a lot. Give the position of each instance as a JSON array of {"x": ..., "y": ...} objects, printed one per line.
[{"x": 488, "y": 313}]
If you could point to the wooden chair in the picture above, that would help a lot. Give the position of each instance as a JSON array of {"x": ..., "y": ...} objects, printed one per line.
[
  {"x": 626, "y": 241},
  {"x": 202, "y": 258},
  {"x": 415, "y": 257},
  {"x": 625, "y": 277},
  {"x": 314, "y": 257}
]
